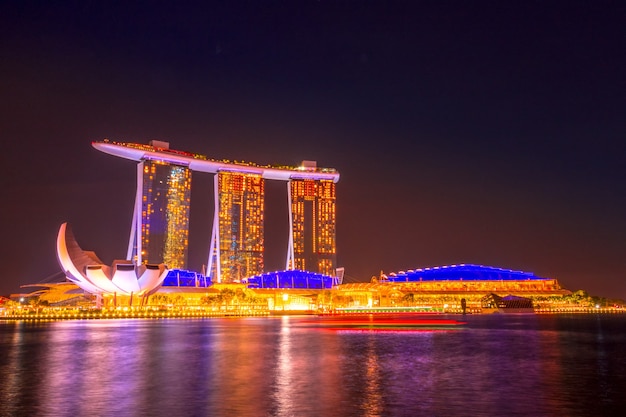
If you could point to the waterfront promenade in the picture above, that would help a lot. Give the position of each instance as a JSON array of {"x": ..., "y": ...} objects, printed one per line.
[
  {"x": 127, "y": 313},
  {"x": 193, "y": 313}
]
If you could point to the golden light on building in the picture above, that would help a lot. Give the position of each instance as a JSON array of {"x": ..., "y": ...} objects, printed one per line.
[
  {"x": 238, "y": 244},
  {"x": 313, "y": 212},
  {"x": 165, "y": 203},
  {"x": 160, "y": 228}
]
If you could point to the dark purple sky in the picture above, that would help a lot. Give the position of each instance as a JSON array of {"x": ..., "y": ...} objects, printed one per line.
[{"x": 477, "y": 132}]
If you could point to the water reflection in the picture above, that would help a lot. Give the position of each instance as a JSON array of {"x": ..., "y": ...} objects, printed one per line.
[
  {"x": 13, "y": 372},
  {"x": 285, "y": 386},
  {"x": 19, "y": 382},
  {"x": 306, "y": 372},
  {"x": 288, "y": 367},
  {"x": 117, "y": 367},
  {"x": 372, "y": 400}
]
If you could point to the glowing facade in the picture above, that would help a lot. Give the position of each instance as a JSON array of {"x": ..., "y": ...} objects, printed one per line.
[
  {"x": 237, "y": 243},
  {"x": 161, "y": 219},
  {"x": 464, "y": 272},
  {"x": 292, "y": 279},
  {"x": 164, "y": 214},
  {"x": 312, "y": 242}
]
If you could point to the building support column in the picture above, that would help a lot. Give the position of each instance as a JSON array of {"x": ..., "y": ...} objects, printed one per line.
[
  {"x": 290, "y": 264},
  {"x": 214, "y": 250},
  {"x": 134, "y": 241}
]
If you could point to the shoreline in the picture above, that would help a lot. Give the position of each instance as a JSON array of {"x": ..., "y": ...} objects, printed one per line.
[{"x": 149, "y": 314}]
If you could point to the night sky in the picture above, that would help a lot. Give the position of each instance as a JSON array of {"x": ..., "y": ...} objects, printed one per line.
[{"x": 486, "y": 132}]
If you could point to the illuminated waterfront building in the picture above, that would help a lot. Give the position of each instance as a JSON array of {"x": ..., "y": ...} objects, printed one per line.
[
  {"x": 87, "y": 271},
  {"x": 160, "y": 236},
  {"x": 161, "y": 220},
  {"x": 444, "y": 287},
  {"x": 237, "y": 243},
  {"x": 466, "y": 273},
  {"x": 291, "y": 279},
  {"x": 312, "y": 242},
  {"x": 160, "y": 224},
  {"x": 164, "y": 214}
]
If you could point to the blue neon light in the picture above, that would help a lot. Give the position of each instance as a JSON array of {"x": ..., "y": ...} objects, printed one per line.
[
  {"x": 292, "y": 279},
  {"x": 462, "y": 272},
  {"x": 184, "y": 278}
]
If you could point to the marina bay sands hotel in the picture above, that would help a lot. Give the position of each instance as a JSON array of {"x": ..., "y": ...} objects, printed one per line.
[{"x": 160, "y": 223}]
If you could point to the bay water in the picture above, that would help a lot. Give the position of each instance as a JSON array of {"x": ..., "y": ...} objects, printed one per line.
[{"x": 495, "y": 365}]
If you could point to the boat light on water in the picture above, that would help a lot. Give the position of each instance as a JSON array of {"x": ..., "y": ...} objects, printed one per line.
[
  {"x": 384, "y": 310},
  {"x": 388, "y": 323}
]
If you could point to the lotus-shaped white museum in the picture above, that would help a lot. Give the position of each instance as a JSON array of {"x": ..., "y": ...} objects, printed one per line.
[{"x": 87, "y": 271}]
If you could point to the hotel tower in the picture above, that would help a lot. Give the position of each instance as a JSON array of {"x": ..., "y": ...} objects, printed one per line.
[
  {"x": 160, "y": 226},
  {"x": 237, "y": 241},
  {"x": 312, "y": 239}
]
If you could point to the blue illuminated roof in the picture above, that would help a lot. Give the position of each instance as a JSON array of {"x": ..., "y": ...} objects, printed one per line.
[
  {"x": 185, "y": 278},
  {"x": 292, "y": 279},
  {"x": 464, "y": 272}
]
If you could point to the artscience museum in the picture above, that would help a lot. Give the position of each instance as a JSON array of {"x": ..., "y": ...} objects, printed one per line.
[{"x": 86, "y": 270}]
